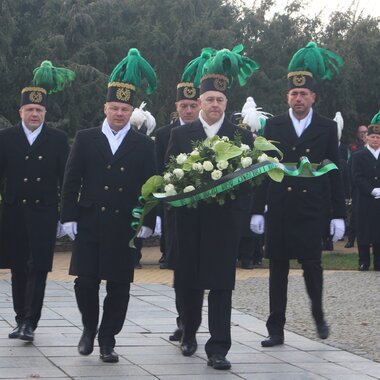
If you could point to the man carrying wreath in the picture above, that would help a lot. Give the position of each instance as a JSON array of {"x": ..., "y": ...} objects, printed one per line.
[{"x": 209, "y": 235}]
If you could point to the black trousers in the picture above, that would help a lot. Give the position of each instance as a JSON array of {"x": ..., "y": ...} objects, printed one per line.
[
  {"x": 278, "y": 289},
  {"x": 364, "y": 255},
  {"x": 28, "y": 290},
  {"x": 219, "y": 318},
  {"x": 115, "y": 307}
]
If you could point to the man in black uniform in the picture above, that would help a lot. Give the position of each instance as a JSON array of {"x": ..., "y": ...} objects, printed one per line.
[
  {"x": 297, "y": 207},
  {"x": 208, "y": 236},
  {"x": 366, "y": 178},
  {"x": 32, "y": 163},
  {"x": 105, "y": 170}
]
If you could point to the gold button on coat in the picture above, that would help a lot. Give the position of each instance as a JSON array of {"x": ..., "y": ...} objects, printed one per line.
[
  {"x": 307, "y": 150},
  {"x": 103, "y": 208},
  {"x": 25, "y": 179},
  {"x": 120, "y": 189},
  {"x": 289, "y": 188},
  {"x": 38, "y": 179},
  {"x": 108, "y": 167},
  {"x": 122, "y": 169},
  {"x": 106, "y": 187},
  {"x": 40, "y": 157},
  {"x": 26, "y": 157}
]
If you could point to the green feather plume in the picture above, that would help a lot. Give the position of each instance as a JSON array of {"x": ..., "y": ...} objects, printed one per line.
[
  {"x": 194, "y": 69},
  {"x": 132, "y": 69},
  {"x": 376, "y": 119},
  {"x": 322, "y": 63},
  {"x": 52, "y": 79},
  {"x": 231, "y": 64}
]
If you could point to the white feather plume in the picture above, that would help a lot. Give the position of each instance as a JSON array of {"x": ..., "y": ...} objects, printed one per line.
[
  {"x": 253, "y": 116},
  {"x": 138, "y": 116},
  {"x": 340, "y": 122},
  {"x": 150, "y": 123}
]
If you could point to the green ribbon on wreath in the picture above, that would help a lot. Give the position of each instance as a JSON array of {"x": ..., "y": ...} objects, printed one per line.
[{"x": 303, "y": 169}]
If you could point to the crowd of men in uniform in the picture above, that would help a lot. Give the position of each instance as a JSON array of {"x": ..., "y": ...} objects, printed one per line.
[{"x": 97, "y": 183}]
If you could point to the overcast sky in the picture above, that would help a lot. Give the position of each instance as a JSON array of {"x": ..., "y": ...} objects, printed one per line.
[{"x": 369, "y": 7}]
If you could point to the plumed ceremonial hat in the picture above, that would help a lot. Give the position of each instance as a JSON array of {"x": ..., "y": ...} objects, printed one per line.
[
  {"x": 127, "y": 76},
  {"x": 224, "y": 68},
  {"x": 374, "y": 127},
  {"x": 310, "y": 64},
  {"x": 188, "y": 88},
  {"x": 47, "y": 79}
]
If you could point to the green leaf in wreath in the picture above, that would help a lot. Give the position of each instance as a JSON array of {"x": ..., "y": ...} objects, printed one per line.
[
  {"x": 225, "y": 151},
  {"x": 192, "y": 159},
  {"x": 152, "y": 185},
  {"x": 276, "y": 174},
  {"x": 261, "y": 143}
]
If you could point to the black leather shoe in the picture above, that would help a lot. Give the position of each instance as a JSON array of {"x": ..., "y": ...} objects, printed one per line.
[
  {"x": 363, "y": 267},
  {"x": 349, "y": 244},
  {"x": 247, "y": 264},
  {"x": 176, "y": 336},
  {"x": 272, "y": 340},
  {"x": 323, "y": 330},
  {"x": 86, "y": 342},
  {"x": 108, "y": 355},
  {"x": 15, "y": 332},
  {"x": 26, "y": 332},
  {"x": 218, "y": 362},
  {"x": 189, "y": 347}
]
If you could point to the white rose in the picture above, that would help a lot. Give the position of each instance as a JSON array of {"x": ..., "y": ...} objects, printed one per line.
[
  {"x": 225, "y": 138},
  {"x": 167, "y": 177},
  {"x": 179, "y": 173},
  {"x": 262, "y": 158},
  {"x": 181, "y": 158},
  {"x": 195, "y": 152},
  {"x": 208, "y": 166},
  {"x": 170, "y": 190},
  {"x": 216, "y": 174},
  {"x": 223, "y": 164},
  {"x": 197, "y": 166},
  {"x": 246, "y": 161},
  {"x": 244, "y": 147},
  {"x": 188, "y": 189},
  {"x": 275, "y": 159}
]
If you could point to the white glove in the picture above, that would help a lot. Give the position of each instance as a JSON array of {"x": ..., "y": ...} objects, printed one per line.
[
  {"x": 144, "y": 232},
  {"x": 60, "y": 230},
  {"x": 157, "y": 229},
  {"x": 337, "y": 229},
  {"x": 376, "y": 192},
  {"x": 71, "y": 229},
  {"x": 257, "y": 224}
]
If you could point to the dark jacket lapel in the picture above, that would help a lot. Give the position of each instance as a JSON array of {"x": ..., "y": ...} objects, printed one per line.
[
  {"x": 102, "y": 144},
  {"x": 127, "y": 145}
]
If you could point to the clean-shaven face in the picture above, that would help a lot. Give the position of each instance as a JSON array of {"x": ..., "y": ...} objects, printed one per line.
[
  {"x": 118, "y": 114},
  {"x": 213, "y": 104},
  {"x": 33, "y": 115}
]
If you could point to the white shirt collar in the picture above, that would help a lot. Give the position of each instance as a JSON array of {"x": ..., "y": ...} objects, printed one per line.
[
  {"x": 211, "y": 130},
  {"x": 374, "y": 152},
  {"x": 115, "y": 139},
  {"x": 300, "y": 125},
  {"x": 31, "y": 135}
]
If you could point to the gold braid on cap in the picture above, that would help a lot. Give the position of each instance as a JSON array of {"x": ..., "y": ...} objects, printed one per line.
[{"x": 27, "y": 89}]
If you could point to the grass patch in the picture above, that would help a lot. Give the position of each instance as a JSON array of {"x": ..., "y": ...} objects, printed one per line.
[{"x": 330, "y": 261}]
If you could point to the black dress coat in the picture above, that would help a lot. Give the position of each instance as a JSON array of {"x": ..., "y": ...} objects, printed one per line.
[
  {"x": 209, "y": 235},
  {"x": 31, "y": 176},
  {"x": 366, "y": 176},
  {"x": 99, "y": 192},
  {"x": 298, "y": 207},
  {"x": 168, "y": 237}
]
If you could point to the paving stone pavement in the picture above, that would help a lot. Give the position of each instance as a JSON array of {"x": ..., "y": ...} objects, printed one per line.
[{"x": 143, "y": 345}]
